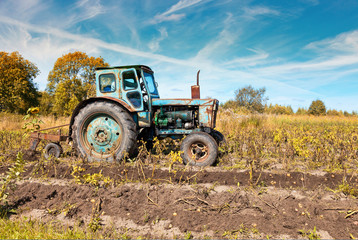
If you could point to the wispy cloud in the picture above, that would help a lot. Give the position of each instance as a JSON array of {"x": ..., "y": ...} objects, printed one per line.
[
  {"x": 25, "y": 10},
  {"x": 170, "y": 14},
  {"x": 84, "y": 10},
  {"x": 334, "y": 53},
  {"x": 252, "y": 12},
  {"x": 154, "y": 44},
  {"x": 345, "y": 43},
  {"x": 220, "y": 43},
  {"x": 249, "y": 61}
]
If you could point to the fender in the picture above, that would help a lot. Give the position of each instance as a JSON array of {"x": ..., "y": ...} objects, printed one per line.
[{"x": 95, "y": 99}]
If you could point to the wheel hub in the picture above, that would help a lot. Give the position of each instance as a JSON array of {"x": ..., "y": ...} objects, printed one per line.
[
  {"x": 103, "y": 134},
  {"x": 199, "y": 151}
]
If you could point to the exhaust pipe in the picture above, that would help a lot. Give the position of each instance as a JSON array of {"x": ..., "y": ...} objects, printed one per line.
[{"x": 195, "y": 90}]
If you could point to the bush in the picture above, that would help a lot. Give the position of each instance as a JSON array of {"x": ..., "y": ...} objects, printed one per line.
[
  {"x": 301, "y": 111},
  {"x": 334, "y": 112},
  {"x": 278, "y": 109}
]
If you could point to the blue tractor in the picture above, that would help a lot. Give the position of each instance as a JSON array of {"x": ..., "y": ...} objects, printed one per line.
[{"x": 128, "y": 107}]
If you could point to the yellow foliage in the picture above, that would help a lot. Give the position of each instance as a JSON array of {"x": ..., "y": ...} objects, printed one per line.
[
  {"x": 17, "y": 90},
  {"x": 72, "y": 80}
]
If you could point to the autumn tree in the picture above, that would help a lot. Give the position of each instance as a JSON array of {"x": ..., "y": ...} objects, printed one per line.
[
  {"x": 72, "y": 80},
  {"x": 317, "y": 108},
  {"x": 17, "y": 89},
  {"x": 250, "y": 98}
]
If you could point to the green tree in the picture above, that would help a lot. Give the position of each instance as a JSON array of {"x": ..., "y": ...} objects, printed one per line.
[
  {"x": 317, "y": 108},
  {"x": 250, "y": 98},
  {"x": 72, "y": 80},
  {"x": 17, "y": 89}
]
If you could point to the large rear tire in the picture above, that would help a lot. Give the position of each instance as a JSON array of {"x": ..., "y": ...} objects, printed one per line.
[
  {"x": 199, "y": 149},
  {"x": 104, "y": 131}
]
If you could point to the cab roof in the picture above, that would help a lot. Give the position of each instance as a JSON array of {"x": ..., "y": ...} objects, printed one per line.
[{"x": 137, "y": 67}]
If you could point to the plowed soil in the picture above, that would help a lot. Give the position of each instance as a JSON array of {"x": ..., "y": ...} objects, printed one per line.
[{"x": 189, "y": 202}]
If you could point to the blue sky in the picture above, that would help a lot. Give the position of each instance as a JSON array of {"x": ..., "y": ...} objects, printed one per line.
[{"x": 300, "y": 50}]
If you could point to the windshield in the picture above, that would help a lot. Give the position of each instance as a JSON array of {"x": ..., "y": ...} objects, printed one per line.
[{"x": 149, "y": 80}]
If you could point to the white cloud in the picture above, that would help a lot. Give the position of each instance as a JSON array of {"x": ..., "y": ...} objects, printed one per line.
[
  {"x": 340, "y": 51},
  {"x": 83, "y": 10},
  {"x": 154, "y": 44},
  {"x": 181, "y": 5},
  {"x": 252, "y": 12},
  {"x": 343, "y": 43},
  {"x": 220, "y": 44},
  {"x": 248, "y": 61},
  {"x": 170, "y": 15},
  {"x": 25, "y": 10}
]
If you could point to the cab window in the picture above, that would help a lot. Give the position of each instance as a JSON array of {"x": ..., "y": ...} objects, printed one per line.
[
  {"x": 107, "y": 83},
  {"x": 129, "y": 80}
]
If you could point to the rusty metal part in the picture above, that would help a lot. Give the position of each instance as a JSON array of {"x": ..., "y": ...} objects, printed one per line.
[
  {"x": 37, "y": 136},
  {"x": 48, "y": 136},
  {"x": 197, "y": 78},
  {"x": 44, "y": 129},
  {"x": 195, "y": 90},
  {"x": 198, "y": 152},
  {"x": 123, "y": 103}
]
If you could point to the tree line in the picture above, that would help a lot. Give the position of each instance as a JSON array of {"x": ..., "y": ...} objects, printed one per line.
[
  {"x": 251, "y": 100},
  {"x": 72, "y": 80}
]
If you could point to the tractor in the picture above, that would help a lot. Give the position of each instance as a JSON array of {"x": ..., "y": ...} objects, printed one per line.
[{"x": 127, "y": 107}]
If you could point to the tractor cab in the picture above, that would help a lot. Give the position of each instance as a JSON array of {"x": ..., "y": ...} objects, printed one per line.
[{"x": 134, "y": 84}]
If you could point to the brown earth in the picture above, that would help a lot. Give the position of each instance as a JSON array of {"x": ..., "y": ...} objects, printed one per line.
[{"x": 209, "y": 203}]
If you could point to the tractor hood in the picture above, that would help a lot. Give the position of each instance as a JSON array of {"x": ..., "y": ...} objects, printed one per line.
[
  {"x": 184, "y": 102},
  {"x": 207, "y": 108}
]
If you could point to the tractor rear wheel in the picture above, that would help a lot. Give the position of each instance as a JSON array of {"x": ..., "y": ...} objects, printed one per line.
[
  {"x": 199, "y": 149},
  {"x": 104, "y": 131}
]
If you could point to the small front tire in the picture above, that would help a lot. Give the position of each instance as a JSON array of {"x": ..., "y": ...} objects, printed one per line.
[
  {"x": 53, "y": 149},
  {"x": 199, "y": 149}
]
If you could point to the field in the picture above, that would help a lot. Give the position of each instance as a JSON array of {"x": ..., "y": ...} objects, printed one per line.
[{"x": 276, "y": 177}]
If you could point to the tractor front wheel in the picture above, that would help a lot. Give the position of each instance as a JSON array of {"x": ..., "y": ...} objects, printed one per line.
[
  {"x": 53, "y": 149},
  {"x": 199, "y": 149},
  {"x": 104, "y": 131}
]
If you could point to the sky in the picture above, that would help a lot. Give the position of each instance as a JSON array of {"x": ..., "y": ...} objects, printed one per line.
[{"x": 299, "y": 50}]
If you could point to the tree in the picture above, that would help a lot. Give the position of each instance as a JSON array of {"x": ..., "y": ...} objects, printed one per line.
[
  {"x": 250, "y": 98},
  {"x": 317, "y": 108},
  {"x": 72, "y": 80},
  {"x": 17, "y": 89}
]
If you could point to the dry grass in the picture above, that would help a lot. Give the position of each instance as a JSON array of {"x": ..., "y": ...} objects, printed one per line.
[
  {"x": 13, "y": 122},
  {"x": 253, "y": 141},
  {"x": 328, "y": 143}
]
